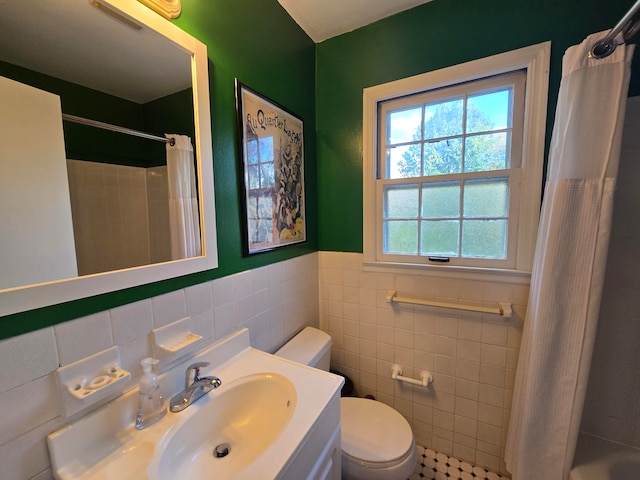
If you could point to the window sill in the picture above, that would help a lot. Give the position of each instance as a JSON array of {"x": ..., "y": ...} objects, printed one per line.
[{"x": 514, "y": 277}]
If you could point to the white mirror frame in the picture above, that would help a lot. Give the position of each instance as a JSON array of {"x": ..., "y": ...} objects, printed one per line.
[{"x": 30, "y": 297}]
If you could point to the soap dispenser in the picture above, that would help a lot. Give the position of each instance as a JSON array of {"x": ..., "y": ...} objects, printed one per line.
[{"x": 151, "y": 405}]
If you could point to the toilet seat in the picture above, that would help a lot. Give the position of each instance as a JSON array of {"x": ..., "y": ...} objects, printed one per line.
[{"x": 373, "y": 434}]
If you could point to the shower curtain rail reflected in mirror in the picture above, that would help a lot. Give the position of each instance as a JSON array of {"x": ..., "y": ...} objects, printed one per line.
[
  {"x": 624, "y": 28},
  {"x": 116, "y": 128}
]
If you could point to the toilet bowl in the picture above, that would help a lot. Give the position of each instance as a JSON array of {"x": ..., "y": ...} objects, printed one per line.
[{"x": 377, "y": 442}]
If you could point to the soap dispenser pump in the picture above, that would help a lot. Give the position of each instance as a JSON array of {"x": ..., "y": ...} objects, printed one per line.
[{"x": 151, "y": 405}]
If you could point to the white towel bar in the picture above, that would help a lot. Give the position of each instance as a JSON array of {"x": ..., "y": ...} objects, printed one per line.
[{"x": 503, "y": 309}]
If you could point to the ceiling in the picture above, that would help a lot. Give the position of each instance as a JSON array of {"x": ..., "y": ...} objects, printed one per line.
[
  {"x": 74, "y": 41},
  {"x": 323, "y": 19}
]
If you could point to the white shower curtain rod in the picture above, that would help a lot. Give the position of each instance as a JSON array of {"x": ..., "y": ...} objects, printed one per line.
[
  {"x": 115, "y": 128},
  {"x": 608, "y": 44}
]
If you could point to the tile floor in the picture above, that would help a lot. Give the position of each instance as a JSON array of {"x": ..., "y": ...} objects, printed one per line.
[{"x": 438, "y": 466}]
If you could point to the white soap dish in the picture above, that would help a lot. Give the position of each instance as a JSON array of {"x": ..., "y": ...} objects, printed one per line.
[
  {"x": 175, "y": 339},
  {"x": 180, "y": 343},
  {"x": 91, "y": 379},
  {"x": 101, "y": 385}
]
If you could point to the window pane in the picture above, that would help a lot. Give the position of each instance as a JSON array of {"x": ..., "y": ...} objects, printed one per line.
[
  {"x": 443, "y": 119},
  {"x": 400, "y": 237},
  {"x": 265, "y": 206},
  {"x": 403, "y": 162},
  {"x": 254, "y": 177},
  {"x": 259, "y": 205},
  {"x": 252, "y": 151},
  {"x": 443, "y": 157},
  {"x": 404, "y": 125},
  {"x": 266, "y": 149},
  {"x": 440, "y": 200},
  {"x": 440, "y": 237},
  {"x": 484, "y": 238},
  {"x": 401, "y": 201},
  {"x": 486, "y": 198},
  {"x": 268, "y": 178},
  {"x": 260, "y": 231},
  {"x": 488, "y": 112},
  {"x": 259, "y": 217},
  {"x": 486, "y": 152}
]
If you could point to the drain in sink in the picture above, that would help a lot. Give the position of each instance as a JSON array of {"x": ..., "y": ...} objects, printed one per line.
[{"x": 222, "y": 450}]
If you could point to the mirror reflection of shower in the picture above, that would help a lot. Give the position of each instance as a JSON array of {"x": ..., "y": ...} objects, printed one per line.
[
  {"x": 117, "y": 183},
  {"x": 127, "y": 216}
]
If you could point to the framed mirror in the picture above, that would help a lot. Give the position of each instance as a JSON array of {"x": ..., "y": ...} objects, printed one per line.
[{"x": 77, "y": 68}]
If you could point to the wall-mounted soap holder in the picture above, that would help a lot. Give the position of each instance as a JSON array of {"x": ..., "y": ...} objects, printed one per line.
[
  {"x": 91, "y": 379},
  {"x": 174, "y": 340},
  {"x": 102, "y": 384}
]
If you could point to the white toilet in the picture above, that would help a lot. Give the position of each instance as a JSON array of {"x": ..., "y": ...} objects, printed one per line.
[{"x": 377, "y": 442}]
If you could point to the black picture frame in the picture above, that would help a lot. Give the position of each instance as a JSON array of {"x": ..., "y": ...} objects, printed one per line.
[{"x": 271, "y": 162}]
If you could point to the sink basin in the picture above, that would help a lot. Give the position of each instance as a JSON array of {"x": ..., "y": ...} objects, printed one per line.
[
  {"x": 281, "y": 421},
  {"x": 242, "y": 418}
]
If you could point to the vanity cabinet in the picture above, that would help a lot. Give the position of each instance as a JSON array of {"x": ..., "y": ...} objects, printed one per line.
[{"x": 318, "y": 457}]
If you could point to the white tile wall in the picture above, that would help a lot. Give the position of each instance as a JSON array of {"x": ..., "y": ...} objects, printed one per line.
[
  {"x": 85, "y": 336},
  {"x": 282, "y": 299},
  {"x": 168, "y": 308},
  {"x": 27, "y": 357},
  {"x": 110, "y": 202},
  {"x": 26, "y": 456},
  {"x": 612, "y": 409},
  {"x": 473, "y": 356},
  {"x": 158, "y": 206},
  {"x": 124, "y": 329}
]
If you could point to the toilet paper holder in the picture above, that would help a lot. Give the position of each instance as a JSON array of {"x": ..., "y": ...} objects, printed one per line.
[{"x": 426, "y": 377}]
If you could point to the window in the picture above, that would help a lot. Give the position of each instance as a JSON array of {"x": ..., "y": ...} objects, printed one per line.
[
  {"x": 453, "y": 164},
  {"x": 261, "y": 178},
  {"x": 448, "y": 169}
]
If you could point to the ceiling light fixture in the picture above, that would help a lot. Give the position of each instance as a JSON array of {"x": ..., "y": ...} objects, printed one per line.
[{"x": 167, "y": 8}]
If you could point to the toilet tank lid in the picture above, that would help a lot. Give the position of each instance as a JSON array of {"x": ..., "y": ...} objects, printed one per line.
[{"x": 307, "y": 347}]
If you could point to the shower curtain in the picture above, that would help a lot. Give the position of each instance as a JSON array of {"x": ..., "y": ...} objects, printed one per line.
[
  {"x": 569, "y": 266},
  {"x": 184, "y": 219}
]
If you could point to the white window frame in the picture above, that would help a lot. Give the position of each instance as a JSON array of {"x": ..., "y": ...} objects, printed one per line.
[{"x": 535, "y": 60}]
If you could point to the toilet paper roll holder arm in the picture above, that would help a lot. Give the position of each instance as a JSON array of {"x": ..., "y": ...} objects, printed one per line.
[{"x": 426, "y": 377}]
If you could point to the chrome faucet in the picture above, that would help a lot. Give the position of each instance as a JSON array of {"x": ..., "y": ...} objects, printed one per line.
[{"x": 193, "y": 390}]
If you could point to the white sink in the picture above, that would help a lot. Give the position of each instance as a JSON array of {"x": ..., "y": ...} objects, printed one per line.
[
  {"x": 243, "y": 421},
  {"x": 275, "y": 415}
]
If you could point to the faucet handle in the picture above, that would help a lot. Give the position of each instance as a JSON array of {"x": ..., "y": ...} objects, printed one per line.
[{"x": 196, "y": 368}]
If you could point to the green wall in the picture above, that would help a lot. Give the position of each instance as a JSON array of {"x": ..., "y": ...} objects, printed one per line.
[
  {"x": 257, "y": 42},
  {"x": 169, "y": 114},
  {"x": 433, "y": 36},
  {"x": 88, "y": 143}
]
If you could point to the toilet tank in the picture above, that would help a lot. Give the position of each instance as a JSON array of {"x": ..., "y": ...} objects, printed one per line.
[{"x": 311, "y": 347}]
